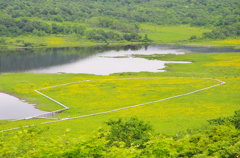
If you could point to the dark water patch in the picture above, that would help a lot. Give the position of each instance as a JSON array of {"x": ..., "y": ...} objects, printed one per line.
[{"x": 20, "y": 60}]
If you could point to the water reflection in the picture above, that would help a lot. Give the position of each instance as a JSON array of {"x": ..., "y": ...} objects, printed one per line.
[
  {"x": 114, "y": 61},
  {"x": 28, "y": 59},
  {"x": 13, "y": 108},
  {"x": 87, "y": 59}
]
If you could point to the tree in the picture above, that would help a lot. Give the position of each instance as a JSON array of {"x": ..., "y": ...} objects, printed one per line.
[
  {"x": 2, "y": 40},
  {"x": 3, "y": 30},
  {"x": 146, "y": 39},
  {"x": 91, "y": 34},
  {"x": 235, "y": 120},
  {"x": 28, "y": 27},
  {"x": 131, "y": 131},
  {"x": 193, "y": 37},
  {"x": 79, "y": 30}
]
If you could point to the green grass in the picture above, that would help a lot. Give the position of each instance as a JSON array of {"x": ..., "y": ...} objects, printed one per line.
[
  {"x": 219, "y": 43},
  {"x": 171, "y": 34},
  {"x": 168, "y": 116},
  {"x": 61, "y": 41}
]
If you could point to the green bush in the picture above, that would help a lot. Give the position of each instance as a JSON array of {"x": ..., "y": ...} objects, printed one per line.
[
  {"x": 234, "y": 120},
  {"x": 28, "y": 44},
  {"x": 2, "y": 40},
  {"x": 131, "y": 131}
]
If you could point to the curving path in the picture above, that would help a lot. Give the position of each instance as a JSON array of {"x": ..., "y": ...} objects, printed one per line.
[{"x": 66, "y": 108}]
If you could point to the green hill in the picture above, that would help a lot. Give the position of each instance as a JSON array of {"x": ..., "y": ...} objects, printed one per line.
[{"x": 118, "y": 21}]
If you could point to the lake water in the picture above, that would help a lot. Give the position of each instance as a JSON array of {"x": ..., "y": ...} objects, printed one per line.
[
  {"x": 111, "y": 62},
  {"x": 101, "y": 60},
  {"x": 14, "y": 108}
]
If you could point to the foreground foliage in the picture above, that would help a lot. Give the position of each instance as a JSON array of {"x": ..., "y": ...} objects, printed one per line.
[
  {"x": 133, "y": 132},
  {"x": 215, "y": 141}
]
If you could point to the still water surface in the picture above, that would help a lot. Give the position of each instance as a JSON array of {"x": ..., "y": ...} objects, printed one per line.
[
  {"x": 108, "y": 63},
  {"x": 102, "y": 60},
  {"x": 13, "y": 108}
]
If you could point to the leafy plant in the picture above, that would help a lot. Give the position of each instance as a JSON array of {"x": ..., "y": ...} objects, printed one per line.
[
  {"x": 235, "y": 120},
  {"x": 131, "y": 131}
]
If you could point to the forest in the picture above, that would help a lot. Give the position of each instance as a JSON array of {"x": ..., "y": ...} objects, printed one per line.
[{"x": 120, "y": 17}]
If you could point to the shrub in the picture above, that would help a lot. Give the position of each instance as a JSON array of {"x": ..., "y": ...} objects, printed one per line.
[
  {"x": 235, "y": 120},
  {"x": 131, "y": 131}
]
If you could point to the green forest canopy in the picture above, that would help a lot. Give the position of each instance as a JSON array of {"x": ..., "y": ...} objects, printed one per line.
[
  {"x": 122, "y": 15},
  {"x": 194, "y": 12}
]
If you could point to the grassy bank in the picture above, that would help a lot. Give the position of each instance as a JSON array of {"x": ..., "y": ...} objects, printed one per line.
[
  {"x": 100, "y": 95},
  {"x": 171, "y": 34}
]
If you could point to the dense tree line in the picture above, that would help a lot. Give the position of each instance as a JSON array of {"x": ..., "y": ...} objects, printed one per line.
[
  {"x": 115, "y": 24},
  {"x": 223, "y": 32},
  {"x": 101, "y": 35},
  {"x": 194, "y": 12},
  {"x": 14, "y": 27}
]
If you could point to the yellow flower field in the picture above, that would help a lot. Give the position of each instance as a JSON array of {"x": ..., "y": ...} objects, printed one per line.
[
  {"x": 103, "y": 95},
  {"x": 226, "y": 61},
  {"x": 228, "y": 41},
  {"x": 58, "y": 41}
]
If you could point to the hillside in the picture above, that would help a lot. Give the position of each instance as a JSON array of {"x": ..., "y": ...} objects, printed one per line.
[
  {"x": 196, "y": 13},
  {"x": 105, "y": 21}
]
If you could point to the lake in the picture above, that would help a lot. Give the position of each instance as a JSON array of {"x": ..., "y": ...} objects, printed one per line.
[
  {"x": 101, "y": 60},
  {"x": 14, "y": 108}
]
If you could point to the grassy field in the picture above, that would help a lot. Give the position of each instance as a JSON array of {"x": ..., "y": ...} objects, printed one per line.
[
  {"x": 99, "y": 95},
  {"x": 227, "y": 42},
  {"x": 172, "y": 34}
]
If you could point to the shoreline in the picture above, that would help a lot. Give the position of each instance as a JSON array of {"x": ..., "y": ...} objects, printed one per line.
[
  {"x": 84, "y": 45},
  {"x": 125, "y": 44},
  {"x": 16, "y": 96}
]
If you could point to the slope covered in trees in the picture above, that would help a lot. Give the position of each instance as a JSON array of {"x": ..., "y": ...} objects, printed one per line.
[
  {"x": 41, "y": 17},
  {"x": 198, "y": 13}
]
